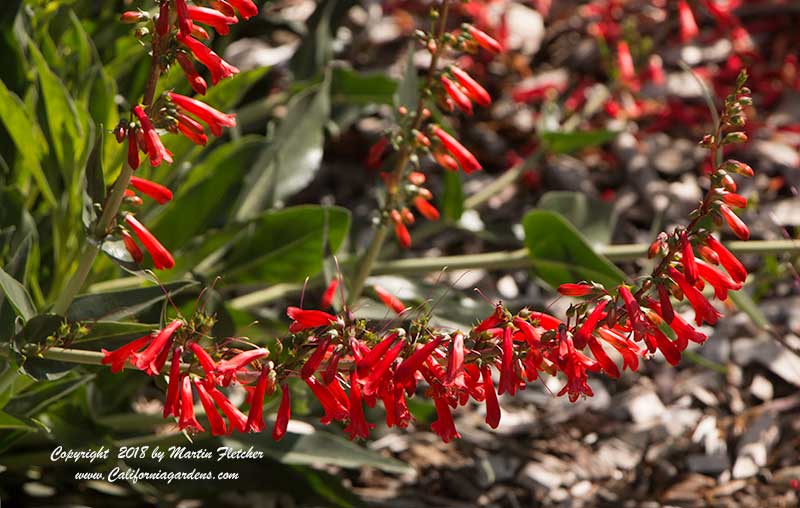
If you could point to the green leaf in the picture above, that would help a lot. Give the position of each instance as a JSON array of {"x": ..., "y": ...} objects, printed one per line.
[
  {"x": 27, "y": 137},
  {"x": 9, "y": 422},
  {"x": 408, "y": 89},
  {"x": 41, "y": 395},
  {"x": 560, "y": 254},
  {"x": 316, "y": 51},
  {"x": 595, "y": 219},
  {"x": 115, "y": 305},
  {"x": 293, "y": 157},
  {"x": 351, "y": 87},
  {"x": 105, "y": 330},
  {"x": 452, "y": 202},
  {"x": 286, "y": 245},
  {"x": 17, "y": 296},
  {"x": 568, "y": 142},
  {"x": 319, "y": 448},
  {"x": 95, "y": 181}
]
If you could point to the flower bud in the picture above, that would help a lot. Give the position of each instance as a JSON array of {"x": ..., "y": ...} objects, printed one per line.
[
  {"x": 131, "y": 17},
  {"x": 734, "y": 137}
]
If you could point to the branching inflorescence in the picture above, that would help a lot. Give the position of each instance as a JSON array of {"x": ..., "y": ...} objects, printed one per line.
[{"x": 345, "y": 362}]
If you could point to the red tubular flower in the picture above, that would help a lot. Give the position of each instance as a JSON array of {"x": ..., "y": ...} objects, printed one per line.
[
  {"x": 187, "y": 420},
  {"x": 219, "y": 68},
  {"x": 492, "y": 405},
  {"x": 444, "y": 426},
  {"x": 374, "y": 355},
  {"x": 402, "y": 234},
  {"x": 457, "y": 94},
  {"x": 508, "y": 377},
  {"x": 688, "y": 24},
  {"x": 668, "y": 314},
  {"x": 223, "y": 6},
  {"x": 236, "y": 419},
  {"x": 708, "y": 254},
  {"x": 228, "y": 368},
  {"x": 404, "y": 375},
  {"x": 703, "y": 310},
  {"x": 247, "y": 9},
  {"x": 626, "y": 70},
  {"x": 629, "y": 351},
  {"x": 574, "y": 365},
  {"x": 668, "y": 348},
  {"x": 545, "y": 321},
  {"x": 146, "y": 360},
  {"x": 468, "y": 161},
  {"x": 284, "y": 413},
  {"x": 602, "y": 358},
  {"x": 484, "y": 40},
  {"x": 687, "y": 258},
  {"x": 373, "y": 379},
  {"x": 118, "y": 357},
  {"x": 734, "y": 222},
  {"x": 655, "y": 70},
  {"x": 334, "y": 410},
  {"x": 212, "y": 18},
  {"x": 426, "y": 208},
  {"x": 332, "y": 369},
  {"x": 390, "y": 300},
  {"x": 635, "y": 315},
  {"x": 197, "y": 82},
  {"x": 255, "y": 417},
  {"x": 131, "y": 17},
  {"x": 455, "y": 361},
  {"x": 151, "y": 189},
  {"x": 314, "y": 361},
  {"x": 132, "y": 248},
  {"x": 162, "y": 23},
  {"x": 215, "y": 120},
  {"x": 330, "y": 293},
  {"x": 475, "y": 91},
  {"x": 133, "y": 150},
  {"x": 735, "y": 200},
  {"x": 192, "y": 130},
  {"x": 728, "y": 261},
  {"x": 720, "y": 281},
  {"x": 184, "y": 23},
  {"x": 171, "y": 407},
  {"x": 206, "y": 362},
  {"x": 305, "y": 319},
  {"x": 576, "y": 290},
  {"x": 446, "y": 161},
  {"x": 198, "y": 32},
  {"x": 358, "y": 426},
  {"x": 375, "y": 153},
  {"x": 584, "y": 333},
  {"x": 152, "y": 142},
  {"x": 214, "y": 418},
  {"x": 162, "y": 259},
  {"x": 532, "y": 336}
]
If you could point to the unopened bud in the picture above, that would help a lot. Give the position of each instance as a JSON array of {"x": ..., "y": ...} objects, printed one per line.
[
  {"x": 740, "y": 168},
  {"x": 707, "y": 140},
  {"x": 728, "y": 183},
  {"x": 734, "y": 137},
  {"x": 131, "y": 17}
]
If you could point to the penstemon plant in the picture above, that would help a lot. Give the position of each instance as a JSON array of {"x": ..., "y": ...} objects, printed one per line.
[{"x": 346, "y": 362}]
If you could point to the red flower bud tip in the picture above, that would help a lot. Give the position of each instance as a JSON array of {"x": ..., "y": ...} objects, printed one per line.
[
  {"x": 735, "y": 223},
  {"x": 214, "y": 419},
  {"x": 192, "y": 130},
  {"x": 358, "y": 426},
  {"x": 162, "y": 23},
  {"x": 708, "y": 254},
  {"x": 162, "y": 259},
  {"x": 333, "y": 407},
  {"x": 468, "y": 161},
  {"x": 215, "y": 120},
  {"x": 484, "y": 40},
  {"x": 171, "y": 406},
  {"x": 247, "y": 9},
  {"x": 688, "y": 24},
  {"x": 133, "y": 150},
  {"x": 314, "y": 361},
  {"x": 444, "y": 426},
  {"x": 284, "y": 413},
  {"x": 422, "y": 139},
  {"x": 492, "y": 405},
  {"x": 155, "y": 149},
  {"x": 187, "y": 420},
  {"x": 151, "y": 189},
  {"x": 457, "y": 94},
  {"x": 655, "y": 70},
  {"x": 131, "y": 17},
  {"x": 687, "y": 258},
  {"x": 455, "y": 360},
  {"x": 508, "y": 377},
  {"x": 373, "y": 378},
  {"x": 446, "y": 161},
  {"x": 626, "y": 70},
  {"x": 401, "y": 231},
  {"x": 332, "y": 369},
  {"x": 404, "y": 375},
  {"x": 212, "y": 18},
  {"x": 330, "y": 293},
  {"x": 236, "y": 419},
  {"x": 584, "y": 334},
  {"x": 576, "y": 289},
  {"x": 740, "y": 168},
  {"x": 375, "y": 153},
  {"x": 417, "y": 178},
  {"x": 305, "y": 319},
  {"x": 473, "y": 89},
  {"x": 735, "y": 200},
  {"x": 118, "y": 357},
  {"x": 426, "y": 208},
  {"x": 184, "y": 22},
  {"x": 390, "y": 300},
  {"x": 132, "y": 248},
  {"x": 703, "y": 310},
  {"x": 206, "y": 362},
  {"x": 146, "y": 360},
  {"x": 198, "y": 84},
  {"x": 255, "y": 417},
  {"x": 219, "y": 68},
  {"x": 728, "y": 183},
  {"x": 728, "y": 261},
  {"x": 667, "y": 311}
]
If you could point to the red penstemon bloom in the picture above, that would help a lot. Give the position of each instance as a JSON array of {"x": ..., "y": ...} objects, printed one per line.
[
  {"x": 314, "y": 361},
  {"x": 206, "y": 362},
  {"x": 152, "y": 142},
  {"x": 330, "y": 293},
  {"x": 425, "y": 207},
  {"x": 162, "y": 23},
  {"x": 734, "y": 222},
  {"x": 458, "y": 95},
  {"x": 446, "y": 161},
  {"x": 455, "y": 362},
  {"x": 215, "y": 420},
  {"x": 236, "y": 419},
  {"x": 400, "y": 230},
  {"x": 508, "y": 377},
  {"x": 192, "y": 130},
  {"x": 358, "y": 426},
  {"x": 153, "y": 190},
  {"x": 467, "y": 161},
  {"x": 118, "y": 357},
  {"x": 284, "y": 413},
  {"x": 728, "y": 261},
  {"x": 219, "y": 68},
  {"x": 305, "y": 319},
  {"x": 720, "y": 281},
  {"x": 404, "y": 375},
  {"x": 212, "y": 18},
  {"x": 187, "y": 420},
  {"x": 472, "y": 88},
  {"x": 703, "y": 309},
  {"x": 372, "y": 380},
  {"x": 484, "y": 40},
  {"x": 576, "y": 289},
  {"x": 133, "y": 150},
  {"x": 247, "y": 9},
  {"x": 184, "y": 22},
  {"x": 492, "y": 405},
  {"x": 584, "y": 333},
  {"x": 215, "y": 120},
  {"x": 255, "y": 417},
  {"x": 171, "y": 405},
  {"x": 146, "y": 360},
  {"x": 333, "y": 407},
  {"x": 196, "y": 81},
  {"x": 390, "y": 300},
  {"x": 132, "y": 248},
  {"x": 444, "y": 425},
  {"x": 228, "y": 368},
  {"x": 688, "y": 24},
  {"x": 687, "y": 258},
  {"x": 162, "y": 259}
]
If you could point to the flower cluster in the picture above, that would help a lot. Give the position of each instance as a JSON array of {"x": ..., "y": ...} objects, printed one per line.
[{"x": 175, "y": 33}]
